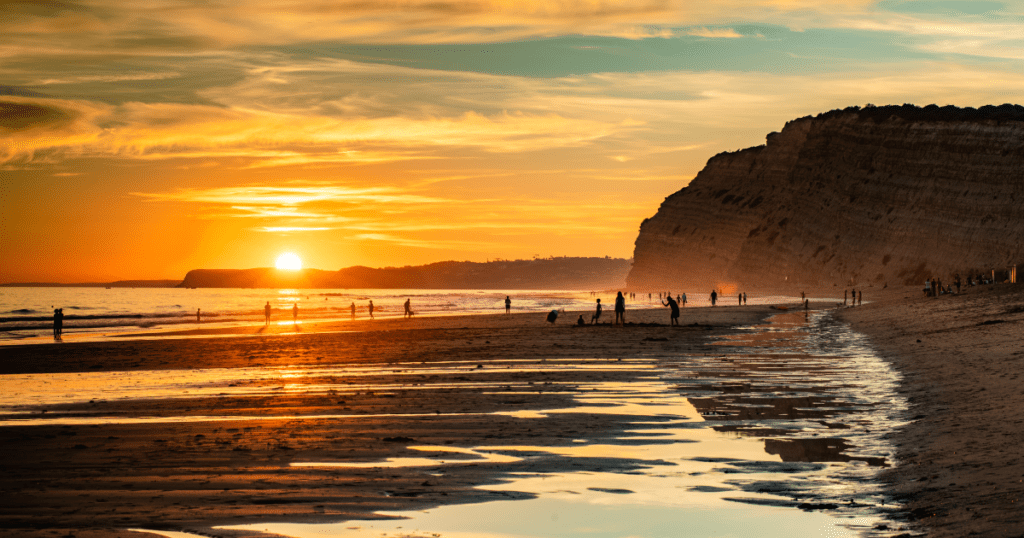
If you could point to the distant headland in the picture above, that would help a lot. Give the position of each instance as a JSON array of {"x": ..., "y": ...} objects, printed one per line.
[{"x": 556, "y": 273}]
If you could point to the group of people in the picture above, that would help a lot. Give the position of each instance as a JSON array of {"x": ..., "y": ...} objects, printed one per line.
[{"x": 856, "y": 297}]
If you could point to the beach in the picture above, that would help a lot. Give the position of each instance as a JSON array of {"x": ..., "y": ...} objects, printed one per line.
[
  {"x": 960, "y": 470},
  {"x": 244, "y": 448}
]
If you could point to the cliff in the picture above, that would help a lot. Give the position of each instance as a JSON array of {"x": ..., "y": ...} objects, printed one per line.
[
  {"x": 550, "y": 273},
  {"x": 879, "y": 196}
]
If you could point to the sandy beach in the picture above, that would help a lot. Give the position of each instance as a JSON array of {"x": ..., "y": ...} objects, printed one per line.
[
  {"x": 408, "y": 383},
  {"x": 960, "y": 470}
]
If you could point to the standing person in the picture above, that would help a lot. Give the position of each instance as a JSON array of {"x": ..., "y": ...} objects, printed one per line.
[
  {"x": 597, "y": 313},
  {"x": 744, "y": 298},
  {"x": 860, "y": 298},
  {"x": 56, "y": 324},
  {"x": 674, "y": 320},
  {"x": 353, "y": 307},
  {"x": 739, "y": 299},
  {"x": 408, "y": 308},
  {"x": 620, "y": 309},
  {"x": 295, "y": 313},
  {"x": 508, "y": 304},
  {"x": 845, "y": 292},
  {"x": 266, "y": 313},
  {"x": 803, "y": 296},
  {"x": 198, "y": 318},
  {"x": 371, "y": 308},
  {"x": 714, "y": 297},
  {"x": 684, "y": 300}
]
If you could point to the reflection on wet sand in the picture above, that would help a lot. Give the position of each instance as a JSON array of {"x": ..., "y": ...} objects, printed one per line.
[{"x": 738, "y": 437}]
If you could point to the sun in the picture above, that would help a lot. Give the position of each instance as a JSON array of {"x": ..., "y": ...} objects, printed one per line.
[{"x": 288, "y": 262}]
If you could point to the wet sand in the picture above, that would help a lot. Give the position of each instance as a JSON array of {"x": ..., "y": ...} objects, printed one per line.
[
  {"x": 81, "y": 479},
  {"x": 960, "y": 468}
]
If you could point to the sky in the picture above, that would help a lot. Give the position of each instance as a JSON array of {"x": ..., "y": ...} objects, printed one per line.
[{"x": 141, "y": 139}]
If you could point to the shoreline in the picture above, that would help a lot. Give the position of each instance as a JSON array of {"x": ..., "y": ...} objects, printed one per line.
[
  {"x": 192, "y": 475},
  {"x": 959, "y": 471},
  {"x": 957, "y": 459}
]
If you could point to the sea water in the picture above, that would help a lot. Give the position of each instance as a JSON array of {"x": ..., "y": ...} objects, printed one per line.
[{"x": 27, "y": 313}]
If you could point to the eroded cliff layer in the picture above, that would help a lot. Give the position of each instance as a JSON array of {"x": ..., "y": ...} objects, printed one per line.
[{"x": 875, "y": 196}]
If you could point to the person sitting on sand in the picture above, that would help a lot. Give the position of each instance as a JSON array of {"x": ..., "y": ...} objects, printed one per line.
[
  {"x": 674, "y": 320},
  {"x": 580, "y": 321},
  {"x": 266, "y": 313},
  {"x": 620, "y": 309},
  {"x": 552, "y": 316},
  {"x": 597, "y": 313}
]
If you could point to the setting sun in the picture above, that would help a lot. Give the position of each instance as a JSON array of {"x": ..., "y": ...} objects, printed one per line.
[{"x": 288, "y": 261}]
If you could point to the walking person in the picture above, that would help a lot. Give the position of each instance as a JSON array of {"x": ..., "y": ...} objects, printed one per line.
[
  {"x": 408, "y": 308},
  {"x": 620, "y": 309},
  {"x": 714, "y": 297},
  {"x": 353, "y": 307},
  {"x": 266, "y": 313},
  {"x": 508, "y": 305},
  {"x": 674, "y": 320},
  {"x": 58, "y": 321},
  {"x": 597, "y": 313},
  {"x": 683, "y": 302},
  {"x": 371, "y": 308}
]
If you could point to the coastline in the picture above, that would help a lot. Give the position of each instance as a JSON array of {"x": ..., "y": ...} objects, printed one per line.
[{"x": 960, "y": 469}]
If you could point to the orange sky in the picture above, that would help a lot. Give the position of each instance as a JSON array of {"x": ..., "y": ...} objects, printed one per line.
[{"x": 143, "y": 139}]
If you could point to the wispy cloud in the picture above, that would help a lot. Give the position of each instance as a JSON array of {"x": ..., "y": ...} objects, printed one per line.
[{"x": 714, "y": 32}]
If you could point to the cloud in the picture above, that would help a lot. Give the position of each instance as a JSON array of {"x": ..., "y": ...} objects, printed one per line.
[
  {"x": 169, "y": 130},
  {"x": 714, "y": 32},
  {"x": 26, "y": 116}
]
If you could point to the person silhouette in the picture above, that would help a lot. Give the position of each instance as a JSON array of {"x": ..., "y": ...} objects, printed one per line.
[
  {"x": 579, "y": 321},
  {"x": 508, "y": 304},
  {"x": 714, "y": 297},
  {"x": 744, "y": 298},
  {"x": 198, "y": 316},
  {"x": 58, "y": 321},
  {"x": 295, "y": 312},
  {"x": 353, "y": 310},
  {"x": 674, "y": 320},
  {"x": 266, "y": 313},
  {"x": 371, "y": 309},
  {"x": 620, "y": 309},
  {"x": 408, "y": 308}
]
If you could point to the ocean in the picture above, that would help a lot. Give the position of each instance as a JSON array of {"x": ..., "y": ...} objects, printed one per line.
[{"x": 27, "y": 313}]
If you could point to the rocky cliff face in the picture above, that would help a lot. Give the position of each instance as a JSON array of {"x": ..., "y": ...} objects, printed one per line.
[{"x": 876, "y": 196}]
